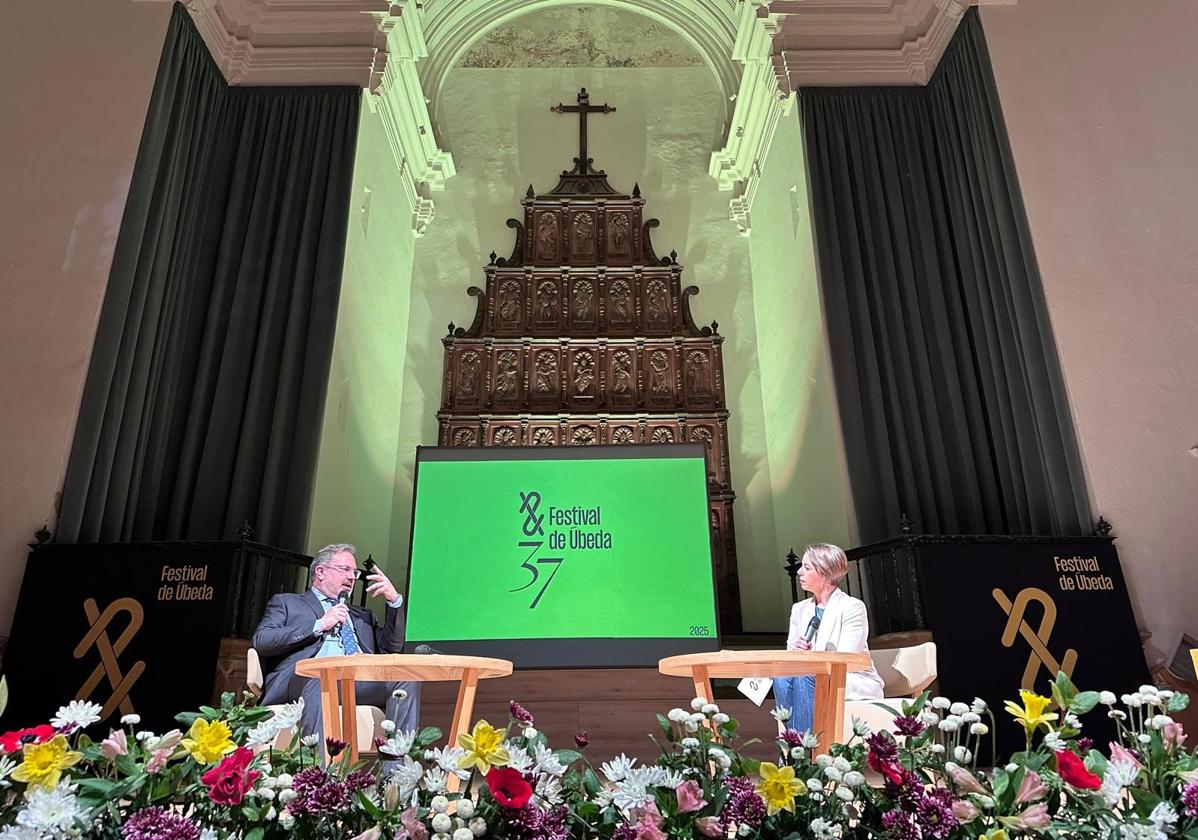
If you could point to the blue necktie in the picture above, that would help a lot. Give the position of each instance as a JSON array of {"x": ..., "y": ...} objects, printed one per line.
[{"x": 349, "y": 642}]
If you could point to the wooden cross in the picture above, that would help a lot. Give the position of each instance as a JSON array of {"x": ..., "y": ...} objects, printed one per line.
[{"x": 582, "y": 162}]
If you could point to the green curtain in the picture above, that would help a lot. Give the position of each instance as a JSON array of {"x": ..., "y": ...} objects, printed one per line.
[
  {"x": 951, "y": 395},
  {"x": 204, "y": 398}
]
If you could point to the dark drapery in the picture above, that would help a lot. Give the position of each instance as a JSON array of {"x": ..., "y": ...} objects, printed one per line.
[
  {"x": 204, "y": 398},
  {"x": 951, "y": 395}
]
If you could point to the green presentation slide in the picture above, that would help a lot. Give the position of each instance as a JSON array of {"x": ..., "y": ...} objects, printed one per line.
[{"x": 569, "y": 545}]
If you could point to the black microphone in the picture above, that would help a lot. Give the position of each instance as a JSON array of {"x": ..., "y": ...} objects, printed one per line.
[
  {"x": 812, "y": 627},
  {"x": 425, "y": 649},
  {"x": 341, "y": 599}
]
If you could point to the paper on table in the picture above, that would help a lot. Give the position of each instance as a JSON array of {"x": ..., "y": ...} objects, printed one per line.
[{"x": 755, "y": 688}]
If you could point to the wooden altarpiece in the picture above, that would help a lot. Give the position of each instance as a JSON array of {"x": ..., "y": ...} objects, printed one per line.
[{"x": 583, "y": 335}]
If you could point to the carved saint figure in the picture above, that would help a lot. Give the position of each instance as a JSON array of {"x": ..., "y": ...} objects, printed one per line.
[
  {"x": 547, "y": 236},
  {"x": 546, "y": 300},
  {"x": 656, "y": 294},
  {"x": 584, "y": 295},
  {"x": 698, "y": 373},
  {"x": 468, "y": 374},
  {"x": 619, "y": 232},
  {"x": 621, "y": 302},
  {"x": 546, "y": 370},
  {"x": 584, "y": 233},
  {"x": 621, "y": 373},
  {"x": 509, "y": 301},
  {"x": 659, "y": 378},
  {"x": 584, "y": 372},
  {"x": 505, "y": 376}
]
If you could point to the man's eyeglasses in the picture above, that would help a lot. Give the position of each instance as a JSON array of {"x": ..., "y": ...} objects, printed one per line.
[{"x": 345, "y": 570}]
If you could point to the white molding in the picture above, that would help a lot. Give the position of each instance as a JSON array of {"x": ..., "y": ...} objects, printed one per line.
[{"x": 760, "y": 103}]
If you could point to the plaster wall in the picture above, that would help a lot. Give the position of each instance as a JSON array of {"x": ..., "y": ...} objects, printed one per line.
[
  {"x": 1102, "y": 128},
  {"x": 74, "y": 98},
  {"x": 355, "y": 473}
]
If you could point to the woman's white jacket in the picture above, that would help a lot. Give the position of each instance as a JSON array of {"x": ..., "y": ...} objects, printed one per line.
[{"x": 845, "y": 627}]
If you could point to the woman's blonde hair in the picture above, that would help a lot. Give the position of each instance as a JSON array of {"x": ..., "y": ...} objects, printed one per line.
[{"x": 829, "y": 560}]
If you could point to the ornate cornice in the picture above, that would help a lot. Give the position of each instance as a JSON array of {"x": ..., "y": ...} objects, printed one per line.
[{"x": 373, "y": 44}]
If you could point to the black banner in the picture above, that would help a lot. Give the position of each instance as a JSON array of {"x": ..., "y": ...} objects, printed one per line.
[
  {"x": 135, "y": 628},
  {"x": 1008, "y": 614}
]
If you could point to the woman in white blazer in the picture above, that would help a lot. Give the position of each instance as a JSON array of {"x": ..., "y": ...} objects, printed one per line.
[{"x": 843, "y": 625}]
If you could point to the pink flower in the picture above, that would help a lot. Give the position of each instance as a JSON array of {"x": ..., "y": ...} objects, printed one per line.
[
  {"x": 1173, "y": 735},
  {"x": 690, "y": 797},
  {"x": 158, "y": 760},
  {"x": 964, "y": 810},
  {"x": 648, "y": 823},
  {"x": 115, "y": 744},
  {"x": 1034, "y": 816},
  {"x": 710, "y": 827},
  {"x": 411, "y": 826},
  {"x": 229, "y": 781},
  {"x": 1118, "y": 753},
  {"x": 965, "y": 780},
  {"x": 1031, "y": 788}
]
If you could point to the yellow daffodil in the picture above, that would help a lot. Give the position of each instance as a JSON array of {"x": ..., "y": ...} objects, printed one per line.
[
  {"x": 779, "y": 787},
  {"x": 209, "y": 742},
  {"x": 994, "y": 834},
  {"x": 484, "y": 748},
  {"x": 43, "y": 763},
  {"x": 1034, "y": 711}
]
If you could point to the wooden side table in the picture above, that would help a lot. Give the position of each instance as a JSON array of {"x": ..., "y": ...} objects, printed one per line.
[
  {"x": 340, "y": 716},
  {"x": 830, "y": 669}
]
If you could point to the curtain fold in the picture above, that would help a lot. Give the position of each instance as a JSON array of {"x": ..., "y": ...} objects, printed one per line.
[
  {"x": 205, "y": 392},
  {"x": 951, "y": 395}
]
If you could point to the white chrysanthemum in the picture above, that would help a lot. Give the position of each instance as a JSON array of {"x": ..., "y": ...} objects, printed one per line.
[
  {"x": 439, "y": 804},
  {"x": 978, "y": 729},
  {"x": 985, "y": 802},
  {"x": 814, "y": 783},
  {"x": 709, "y": 709},
  {"x": 950, "y": 724},
  {"x": 1140, "y": 831},
  {"x": 436, "y": 780},
  {"x": 463, "y": 833},
  {"x": 310, "y": 740},
  {"x": 929, "y": 718},
  {"x": 209, "y": 834},
  {"x": 860, "y": 728},
  {"x": 698, "y": 703},
  {"x": 1054, "y": 741},
  {"x": 288, "y": 716},
  {"x": 286, "y": 796},
  {"x": 603, "y": 798},
  {"x": 844, "y": 794},
  {"x": 1164, "y": 817},
  {"x": 832, "y": 774},
  {"x": 962, "y": 755},
  {"x": 130, "y": 720},
  {"x": 1118, "y": 775},
  {"x": 519, "y": 758},
  {"x": 400, "y": 694},
  {"x": 938, "y": 748},
  {"x": 629, "y": 794},
  {"x": 442, "y": 823},
  {"x": 824, "y": 830},
  {"x": 941, "y": 703},
  {"x": 448, "y": 759},
  {"x": 720, "y": 718},
  {"x": 81, "y": 713},
  {"x": 677, "y": 715},
  {"x": 283, "y": 781},
  {"x": 547, "y": 762},
  {"x": 689, "y": 743},
  {"x": 53, "y": 811},
  {"x": 842, "y": 764},
  {"x": 823, "y": 760},
  {"x": 407, "y": 775},
  {"x": 1117, "y": 714},
  {"x": 854, "y": 778},
  {"x": 478, "y": 826},
  {"x": 529, "y": 733},
  {"x": 1144, "y": 738},
  {"x": 261, "y": 735},
  {"x": 1073, "y": 721},
  {"x": 809, "y": 740},
  {"x": 1106, "y": 698},
  {"x": 780, "y": 714},
  {"x": 549, "y": 791},
  {"x": 797, "y": 753},
  {"x": 388, "y": 726},
  {"x": 970, "y": 717},
  {"x": 978, "y": 706},
  {"x": 618, "y": 768},
  {"x": 1160, "y": 721},
  {"x": 958, "y": 709}
]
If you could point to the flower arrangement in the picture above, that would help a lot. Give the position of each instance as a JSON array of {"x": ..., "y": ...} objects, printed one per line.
[{"x": 218, "y": 776}]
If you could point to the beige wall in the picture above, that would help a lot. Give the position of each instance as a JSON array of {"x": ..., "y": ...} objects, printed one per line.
[
  {"x": 76, "y": 86},
  {"x": 1100, "y": 108}
]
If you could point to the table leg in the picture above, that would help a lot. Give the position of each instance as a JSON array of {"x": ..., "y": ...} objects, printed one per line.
[
  {"x": 349, "y": 718},
  {"x": 702, "y": 682},
  {"x": 329, "y": 712},
  {"x": 829, "y": 707},
  {"x": 461, "y": 715}
]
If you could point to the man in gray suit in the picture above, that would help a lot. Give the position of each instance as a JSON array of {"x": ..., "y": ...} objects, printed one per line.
[{"x": 316, "y": 623}]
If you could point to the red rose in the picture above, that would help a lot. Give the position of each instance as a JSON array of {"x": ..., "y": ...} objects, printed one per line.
[
  {"x": 886, "y": 768},
  {"x": 229, "y": 781},
  {"x": 508, "y": 787},
  {"x": 1074, "y": 771},
  {"x": 13, "y": 741}
]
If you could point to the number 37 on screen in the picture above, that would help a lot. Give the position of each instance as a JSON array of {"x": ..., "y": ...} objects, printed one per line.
[{"x": 534, "y": 569}]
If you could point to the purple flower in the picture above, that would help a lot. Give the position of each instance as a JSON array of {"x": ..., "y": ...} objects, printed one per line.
[
  {"x": 359, "y": 780},
  {"x": 791, "y": 738},
  {"x": 906, "y": 791},
  {"x": 934, "y": 813},
  {"x": 908, "y": 725},
  {"x": 624, "y": 831},
  {"x": 1085, "y": 745},
  {"x": 1189, "y": 798},
  {"x": 883, "y": 745},
  {"x": 309, "y": 779},
  {"x": 159, "y": 824},
  {"x": 531, "y": 823},
  {"x": 581, "y": 740},
  {"x": 335, "y": 746},
  {"x": 744, "y": 806},
  {"x": 520, "y": 713},
  {"x": 899, "y": 825}
]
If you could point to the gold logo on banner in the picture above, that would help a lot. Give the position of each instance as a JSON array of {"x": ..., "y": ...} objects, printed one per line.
[
  {"x": 109, "y": 650},
  {"x": 1037, "y": 639}
]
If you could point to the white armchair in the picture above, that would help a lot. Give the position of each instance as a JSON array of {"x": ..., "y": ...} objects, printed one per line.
[
  {"x": 370, "y": 718},
  {"x": 905, "y": 672}
]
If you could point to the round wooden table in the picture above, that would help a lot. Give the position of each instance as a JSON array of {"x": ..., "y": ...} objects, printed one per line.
[
  {"x": 830, "y": 669},
  {"x": 340, "y": 716}
]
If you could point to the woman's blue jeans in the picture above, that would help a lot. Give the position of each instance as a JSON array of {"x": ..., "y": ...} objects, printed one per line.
[{"x": 798, "y": 695}]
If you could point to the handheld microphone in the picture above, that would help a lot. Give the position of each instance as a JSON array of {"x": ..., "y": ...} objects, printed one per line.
[
  {"x": 342, "y": 597},
  {"x": 425, "y": 649},
  {"x": 812, "y": 627}
]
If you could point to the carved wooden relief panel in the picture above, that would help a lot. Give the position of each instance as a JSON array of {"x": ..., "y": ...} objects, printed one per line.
[{"x": 583, "y": 336}]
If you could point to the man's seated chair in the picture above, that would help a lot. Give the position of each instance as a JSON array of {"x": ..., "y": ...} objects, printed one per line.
[{"x": 318, "y": 623}]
